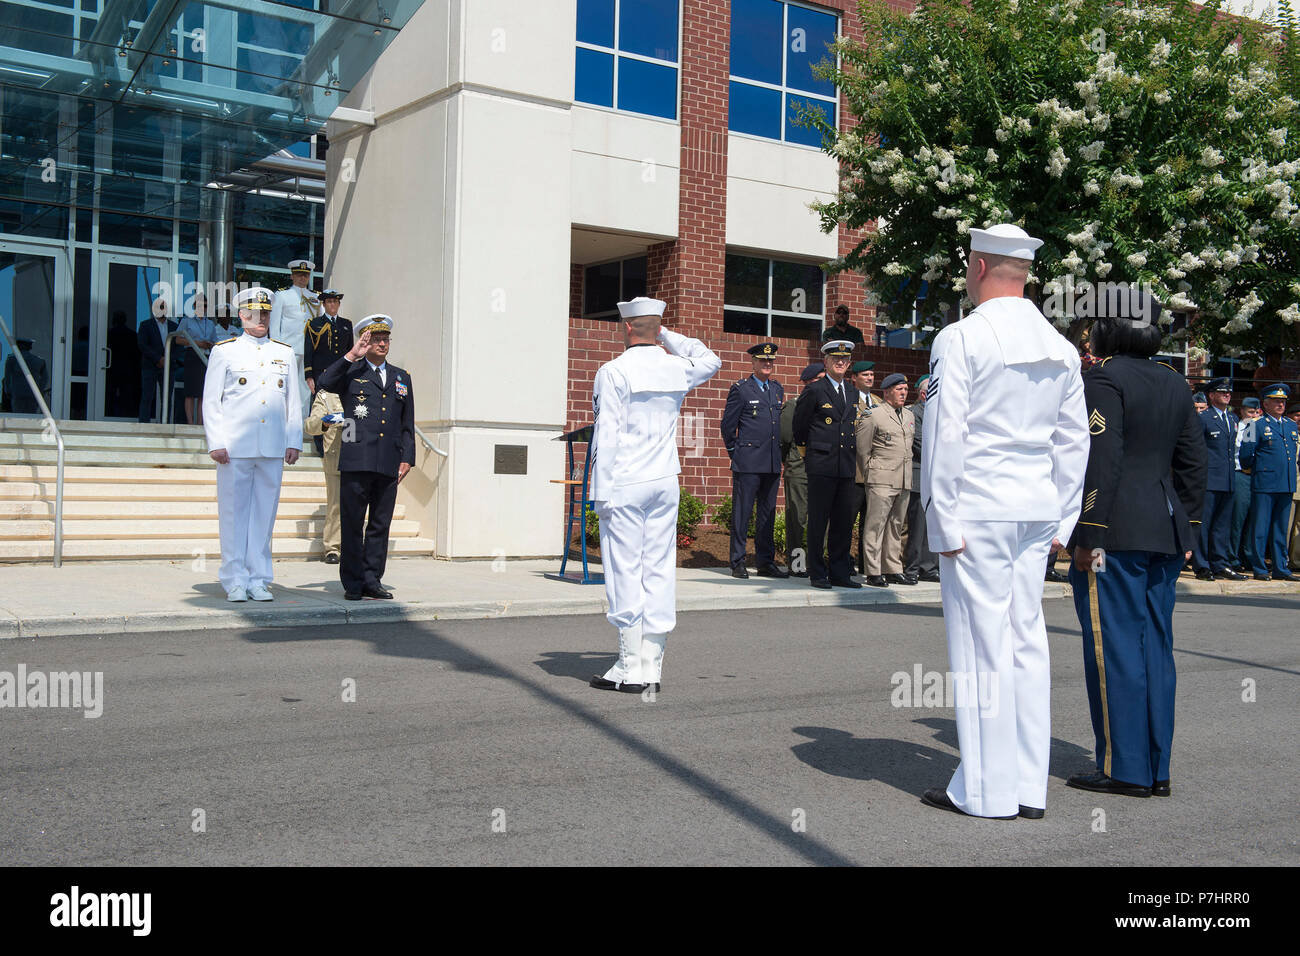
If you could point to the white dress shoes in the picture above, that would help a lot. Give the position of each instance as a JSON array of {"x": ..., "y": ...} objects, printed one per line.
[
  {"x": 237, "y": 594},
  {"x": 261, "y": 593}
]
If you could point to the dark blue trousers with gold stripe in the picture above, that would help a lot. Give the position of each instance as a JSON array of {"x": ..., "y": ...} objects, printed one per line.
[{"x": 1126, "y": 611}]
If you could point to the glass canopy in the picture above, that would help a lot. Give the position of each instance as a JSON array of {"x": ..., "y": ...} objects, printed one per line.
[{"x": 134, "y": 105}]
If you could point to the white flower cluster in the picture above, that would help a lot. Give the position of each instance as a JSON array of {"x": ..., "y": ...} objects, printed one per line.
[
  {"x": 895, "y": 269},
  {"x": 1211, "y": 157},
  {"x": 1091, "y": 187},
  {"x": 1009, "y": 124},
  {"x": 1092, "y": 152},
  {"x": 1123, "y": 180},
  {"x": 1056, "y": 163},
  {"x": 1277, "y": 137},
  {"x": 1137, "y": 260},
  {"x": 1160, "y": 52},
  {"x": 1241, "y": 321},
  {"x": 1161, "y": 97},
  {"x": 934, "y": 266},
  {"x": 1291, "y": 314},
  {"x": 945, "y": 212},
  {"x": 1058, "y": 115}
]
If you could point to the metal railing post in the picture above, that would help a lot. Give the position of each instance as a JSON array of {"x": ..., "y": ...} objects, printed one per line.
[
  {"x": 58, "y": 437},
  {"x": 167, "y": 369}
]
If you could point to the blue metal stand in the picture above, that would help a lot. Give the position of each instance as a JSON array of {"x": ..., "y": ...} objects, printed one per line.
[{"x": 578, "y": 506}]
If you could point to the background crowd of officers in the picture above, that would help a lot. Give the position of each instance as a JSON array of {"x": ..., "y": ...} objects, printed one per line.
[{"x": 851, "y": 462}]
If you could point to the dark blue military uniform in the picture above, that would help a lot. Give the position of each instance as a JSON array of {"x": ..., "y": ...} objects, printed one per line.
[
  {"x": 1212, "y": 551},
  {"x": 1269, "y": 451},
  {"x": 825, "y": 427},
  {"x": 751, "y": 430},
  {"x": 381, "y": 412},
  {"x": 1142, "y": 499}
]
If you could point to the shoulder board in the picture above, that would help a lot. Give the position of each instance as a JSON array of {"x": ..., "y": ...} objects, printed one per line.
[
  {"x": 224, "y": 341},
  {"x": 285, "y": 344},
  {"x": 1170, "y": 367},
  {"x": 1104, "y": 361},
  {"x": 285, "y": 289}
]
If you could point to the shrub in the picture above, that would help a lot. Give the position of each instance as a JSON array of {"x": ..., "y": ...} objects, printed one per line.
[
  {"x": 593, "y": 528},
  {"x": 690, "y": 512}
]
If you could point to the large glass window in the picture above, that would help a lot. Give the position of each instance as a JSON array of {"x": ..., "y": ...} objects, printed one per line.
[
  {"x": 627, "y": 55},
  {"x": 770, "y": 297},
  {"x": 774, "y": 46},
  {"x": 607, "y": 284}
]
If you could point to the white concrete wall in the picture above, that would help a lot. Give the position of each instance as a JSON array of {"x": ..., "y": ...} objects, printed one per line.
[
  {"x": 626, "y": 172},
  {"x": 769, "y": 186},
  {"x": 456, "y": 221}
]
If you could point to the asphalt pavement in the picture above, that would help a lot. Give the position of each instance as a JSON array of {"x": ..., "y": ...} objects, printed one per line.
[{"x": 773, "y": 741}]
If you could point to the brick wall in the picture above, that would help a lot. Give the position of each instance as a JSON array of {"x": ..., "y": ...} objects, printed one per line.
[{"x": 688, "y": 273}]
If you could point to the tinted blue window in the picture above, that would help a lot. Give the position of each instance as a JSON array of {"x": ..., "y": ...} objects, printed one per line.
[
  {"x": 756, "y": 40},
  {"x": 594, "y": 78},
  {"x": 596, "y": 22},
  {"x": 647, "y": 88},
  {"x": 807, "y": 33},
  {"x": 755, "y": 110},
  {"x": 807, "y": 135},
  {"x": 648, "y": 27}
]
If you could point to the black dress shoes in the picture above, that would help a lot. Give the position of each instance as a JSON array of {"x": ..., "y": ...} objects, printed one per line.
[
  {"x": 938, "y": 799},
  {"x": 331, "y": 558},
  {"x": 1160, "y": 788},
  {"x": 1031, "y": 813},
  {"x": 1230, "y": 575},
  {"x": 1283, "y": 576},
  {"x": 845, "y": 583},
  {"x": 798, "y": 574},
  {"x": 1098, "y": 782},
  {"x": 773, "y": 571},
  {"x": 1056, "y": 576},
  {"x": 878, "y": 581},
  {"x": 382, "y": 594},
  {"x": 900, "y": 579},
  {"x": 821, "y": 583},
  {"x": 600, "y": 683},
  {"x": 1205, "y": 574},
  {"x": 740, "y": 572},
  {"x": 352, "y": 595},
  {"x": 931, "y": 577},
  {"x": 1262, "y": 577}
]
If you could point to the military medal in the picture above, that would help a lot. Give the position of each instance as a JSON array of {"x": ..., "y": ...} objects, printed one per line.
[
  {"x": 361, "y": 411},
  {"x": 401, "y": 388}
]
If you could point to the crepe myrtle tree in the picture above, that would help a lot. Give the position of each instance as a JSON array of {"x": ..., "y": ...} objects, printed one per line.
[{"x": 1155, "y": 144}]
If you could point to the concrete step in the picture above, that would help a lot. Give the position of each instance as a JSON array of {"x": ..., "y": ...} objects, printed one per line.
[
  {"x": 112, "y": 429},
  {"x": 187, "y": 508},
  {"x": 145, "y": 491},
  {"x": 48, "y": 454},
  {"x": 308, "y": 472},
  {"x": 196, "y": 444},
  {"x": 90, "y": 529},
  {"x": 174, "y": 549}
]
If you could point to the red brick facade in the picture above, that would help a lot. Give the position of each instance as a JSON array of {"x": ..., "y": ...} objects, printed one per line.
[{"x": 688, "y": 273}]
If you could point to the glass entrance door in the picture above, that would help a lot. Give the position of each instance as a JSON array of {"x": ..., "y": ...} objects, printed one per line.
[
  {"x": 33, "y": 304},
  {"x": 128, "y": 286}
]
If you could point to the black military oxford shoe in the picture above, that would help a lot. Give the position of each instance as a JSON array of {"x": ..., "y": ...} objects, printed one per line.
[
  {"x": 930, "y": 577},
  {"x": 773, "y": 571},
  {"x": 821, "y": 583},
  {"x": 331, "y": 558},
  {"x": 1160, "y": 788},
  {"x": 740, "y": 572},
  {"x": 1283, "y": 576},
  {"x": 1098, "y": 782},
  {"x": 845, "y": 583},
  {"x": 1055, "y": 576},
  {"x": 377, "y": 592},
  {"x": 798, "y": 574},
  {"x": 1230, "y": 575},
  {"x": 352, "y": 595},
  {"x": 600, "y": 683},
  {"x": 938, "y": 799},
  {"x": 1205, "y": 575},
  {"x": 878, "y": 581},
  {"x": 1262, "y": 577},
  {"x": 1031, "y": 813},
  {"x": 900, "y": 579}
]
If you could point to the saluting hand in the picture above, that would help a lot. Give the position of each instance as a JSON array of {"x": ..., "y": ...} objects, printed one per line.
[{"x": 361, "y": 346}]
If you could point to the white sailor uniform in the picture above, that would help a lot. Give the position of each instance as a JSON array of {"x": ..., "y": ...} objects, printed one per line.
[
  {"x": 250, "y": 409},
  {"x": 637, "y": 398},
  {"x": 1003, "y": 458},
  {"x": 291, "y": 310}
]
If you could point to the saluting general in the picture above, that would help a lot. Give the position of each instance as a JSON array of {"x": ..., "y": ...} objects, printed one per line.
[
  {"x": 751, "y": 431},
  {"x": 1269, "y": 449},
  {"x": 379, "y": 410},
  {"x": 1005, "y": 447},
  {"x": 292, "y": 309},
  {"x": 253, "y": 423},
  {"x": 637, "y": 398},
  {"x": 1142, "y": 498}
]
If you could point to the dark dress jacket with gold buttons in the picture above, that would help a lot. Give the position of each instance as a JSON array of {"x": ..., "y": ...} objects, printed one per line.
[
  {"x": 383, "y": 416},
  {"x": 824, "y": 424}
]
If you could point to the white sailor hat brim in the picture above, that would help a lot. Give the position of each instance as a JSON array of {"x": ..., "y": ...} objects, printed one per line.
[
  {"x": 302, "y": 265},
  {"x": 1004, "y": 240},
  {"x": 640, "y": 306},
  {"x": 256, "y": 299},
  {"x": 375, "y": 323},
  {"x": 838, "y": 347}
]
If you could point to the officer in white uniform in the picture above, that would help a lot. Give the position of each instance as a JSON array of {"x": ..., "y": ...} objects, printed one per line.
[
  {"x": 637, "y": 398},
  {"x": 253, "y": 421},
  {"x": 291, "y": 310},
  {"x": 1003, "y": 460}
]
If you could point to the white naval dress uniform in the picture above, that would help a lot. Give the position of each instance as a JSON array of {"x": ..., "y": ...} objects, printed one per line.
[
  {"x": 250, "y": 409},
  {"x": 637, "y": 398},
  {"x": 291, "y": 310},
  {"x": 1003, "y": 456}
]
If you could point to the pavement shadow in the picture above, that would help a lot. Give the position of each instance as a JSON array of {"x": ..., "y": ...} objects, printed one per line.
[
  {"x": 906, "y": 765},
  {"x": 426, "y": 642},
  {"x": 579, "y": 665}
]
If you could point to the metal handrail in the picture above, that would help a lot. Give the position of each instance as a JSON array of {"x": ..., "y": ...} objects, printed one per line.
[
  {"x": 58, "y": 437},
  {"x": 167, "y": 370},
  {"x": 428, "y": 443}
]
